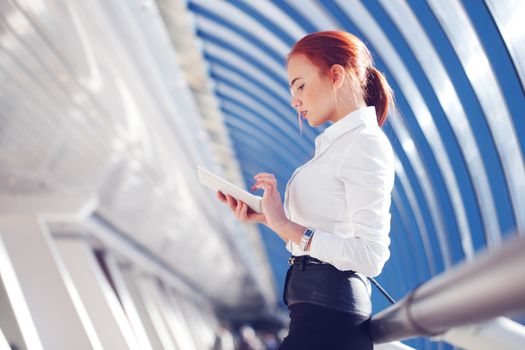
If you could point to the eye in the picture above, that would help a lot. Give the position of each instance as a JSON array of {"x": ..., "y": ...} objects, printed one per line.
[{"x": 301, "y": 88}]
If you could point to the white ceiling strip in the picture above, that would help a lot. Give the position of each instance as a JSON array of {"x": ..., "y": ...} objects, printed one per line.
[
  {"x": 434, "y": 69},
  {"x": 465, "y": 41}
]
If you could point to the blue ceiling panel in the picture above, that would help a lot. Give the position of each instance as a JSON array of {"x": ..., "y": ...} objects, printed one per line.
[
  {"x": 470, "y": 103},
  {"x": 499, "y": 57}
]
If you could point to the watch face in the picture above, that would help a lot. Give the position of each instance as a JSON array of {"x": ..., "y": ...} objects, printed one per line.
[{"x": 306, "y": 237}]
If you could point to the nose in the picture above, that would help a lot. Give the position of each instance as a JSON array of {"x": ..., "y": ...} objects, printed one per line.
[{"x": 295, "y": 102}]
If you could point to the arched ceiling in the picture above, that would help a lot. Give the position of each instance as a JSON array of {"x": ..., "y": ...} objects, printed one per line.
[
  {"x": 96, "y": 103},
  {"x": 458, "y": 72}
]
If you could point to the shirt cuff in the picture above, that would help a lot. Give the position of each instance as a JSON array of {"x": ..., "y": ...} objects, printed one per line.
[
  {"x": 325, "y": 246},
  {"x": 289, "y": 246}
]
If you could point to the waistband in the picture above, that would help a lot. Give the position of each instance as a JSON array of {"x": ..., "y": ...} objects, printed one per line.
[{"x": 304, "y": 260}]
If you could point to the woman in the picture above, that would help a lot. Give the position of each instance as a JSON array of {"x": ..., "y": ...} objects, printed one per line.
[{"x": 335, "y": 219}]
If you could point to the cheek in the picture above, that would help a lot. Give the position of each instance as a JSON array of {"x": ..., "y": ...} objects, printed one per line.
[
  {"x": 313, "y": 95},
  {"x": 309, "y": 96},
  {"x": 319, "y": 98}
]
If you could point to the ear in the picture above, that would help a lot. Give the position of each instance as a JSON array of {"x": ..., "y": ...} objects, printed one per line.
[{"x": 337, "y": 73}]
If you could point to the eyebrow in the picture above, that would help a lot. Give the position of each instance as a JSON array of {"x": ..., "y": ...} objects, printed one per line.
[{"x": 293, "y": 81}]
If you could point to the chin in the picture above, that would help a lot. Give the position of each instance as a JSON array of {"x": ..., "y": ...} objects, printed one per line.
[
  {"x": 314, "y": 123},
  {"x": 317, "y": 120}
]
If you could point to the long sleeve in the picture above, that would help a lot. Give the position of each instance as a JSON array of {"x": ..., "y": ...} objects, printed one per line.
[{"x": 367, "y": 172}]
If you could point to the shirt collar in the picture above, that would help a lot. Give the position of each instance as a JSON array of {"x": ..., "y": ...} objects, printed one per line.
[{"x": 365, "y": 115}]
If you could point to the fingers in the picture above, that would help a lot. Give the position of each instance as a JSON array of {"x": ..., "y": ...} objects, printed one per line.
[
  {"x": 221, "y": 196},
  {"x": 232, "y": 202},
  {"x": 265, "y": 183},
  {"x": 264, "y": 176},
  {"x": 270, "y": 180},
  {"x": 241, "y": 211}
]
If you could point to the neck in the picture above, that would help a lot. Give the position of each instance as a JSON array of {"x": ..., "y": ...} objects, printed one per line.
[
  {"x": 341, "y": 112},
  {"x": 347, "y": 99}
]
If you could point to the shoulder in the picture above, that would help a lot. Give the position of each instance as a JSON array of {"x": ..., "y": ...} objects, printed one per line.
[{"x": 369, "y": 143}]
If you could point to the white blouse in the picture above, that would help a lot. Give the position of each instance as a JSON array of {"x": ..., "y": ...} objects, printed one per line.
[{"x": 344, "y": 193}]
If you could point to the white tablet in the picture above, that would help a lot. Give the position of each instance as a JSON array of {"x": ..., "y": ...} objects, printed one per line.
[{"x": 217, "y": 183}]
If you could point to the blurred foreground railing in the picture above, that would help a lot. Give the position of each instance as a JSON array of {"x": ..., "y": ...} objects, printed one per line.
[{"x": 491, "y": 285}]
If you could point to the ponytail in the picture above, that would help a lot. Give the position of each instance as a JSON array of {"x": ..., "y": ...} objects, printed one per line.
[{"x": 377, "y": 92}]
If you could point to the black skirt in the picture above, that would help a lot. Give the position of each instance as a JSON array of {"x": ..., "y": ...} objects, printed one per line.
[
  {"x": 329, "y": 308},
  {"x": 311, "y": 281},
  {"x": 314, "y": 327}
]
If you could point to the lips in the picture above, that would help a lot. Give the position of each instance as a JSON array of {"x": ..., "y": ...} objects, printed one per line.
[{"x": 303, "y": 113}]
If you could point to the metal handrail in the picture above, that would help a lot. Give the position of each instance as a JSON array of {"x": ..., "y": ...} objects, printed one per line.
[{"x": 491, "y": 285}]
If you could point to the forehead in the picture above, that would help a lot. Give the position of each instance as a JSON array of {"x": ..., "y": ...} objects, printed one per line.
[{"x": 300, "y": 66}]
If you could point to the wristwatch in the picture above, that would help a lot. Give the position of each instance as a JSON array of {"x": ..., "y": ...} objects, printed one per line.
[{"x": 307, "y": 235}]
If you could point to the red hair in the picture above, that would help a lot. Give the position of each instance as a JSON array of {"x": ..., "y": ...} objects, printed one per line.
[{"x": 327, "y": 48}]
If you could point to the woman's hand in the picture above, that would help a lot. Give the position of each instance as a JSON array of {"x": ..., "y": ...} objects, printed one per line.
[
  {"x": 272, "y": 206},
  {"x": 273, "y": 213},
  {"x": 241, "y": 209}
]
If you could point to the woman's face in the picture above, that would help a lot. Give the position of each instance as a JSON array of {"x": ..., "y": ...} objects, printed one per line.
[{"x": 312, "y": 92}]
